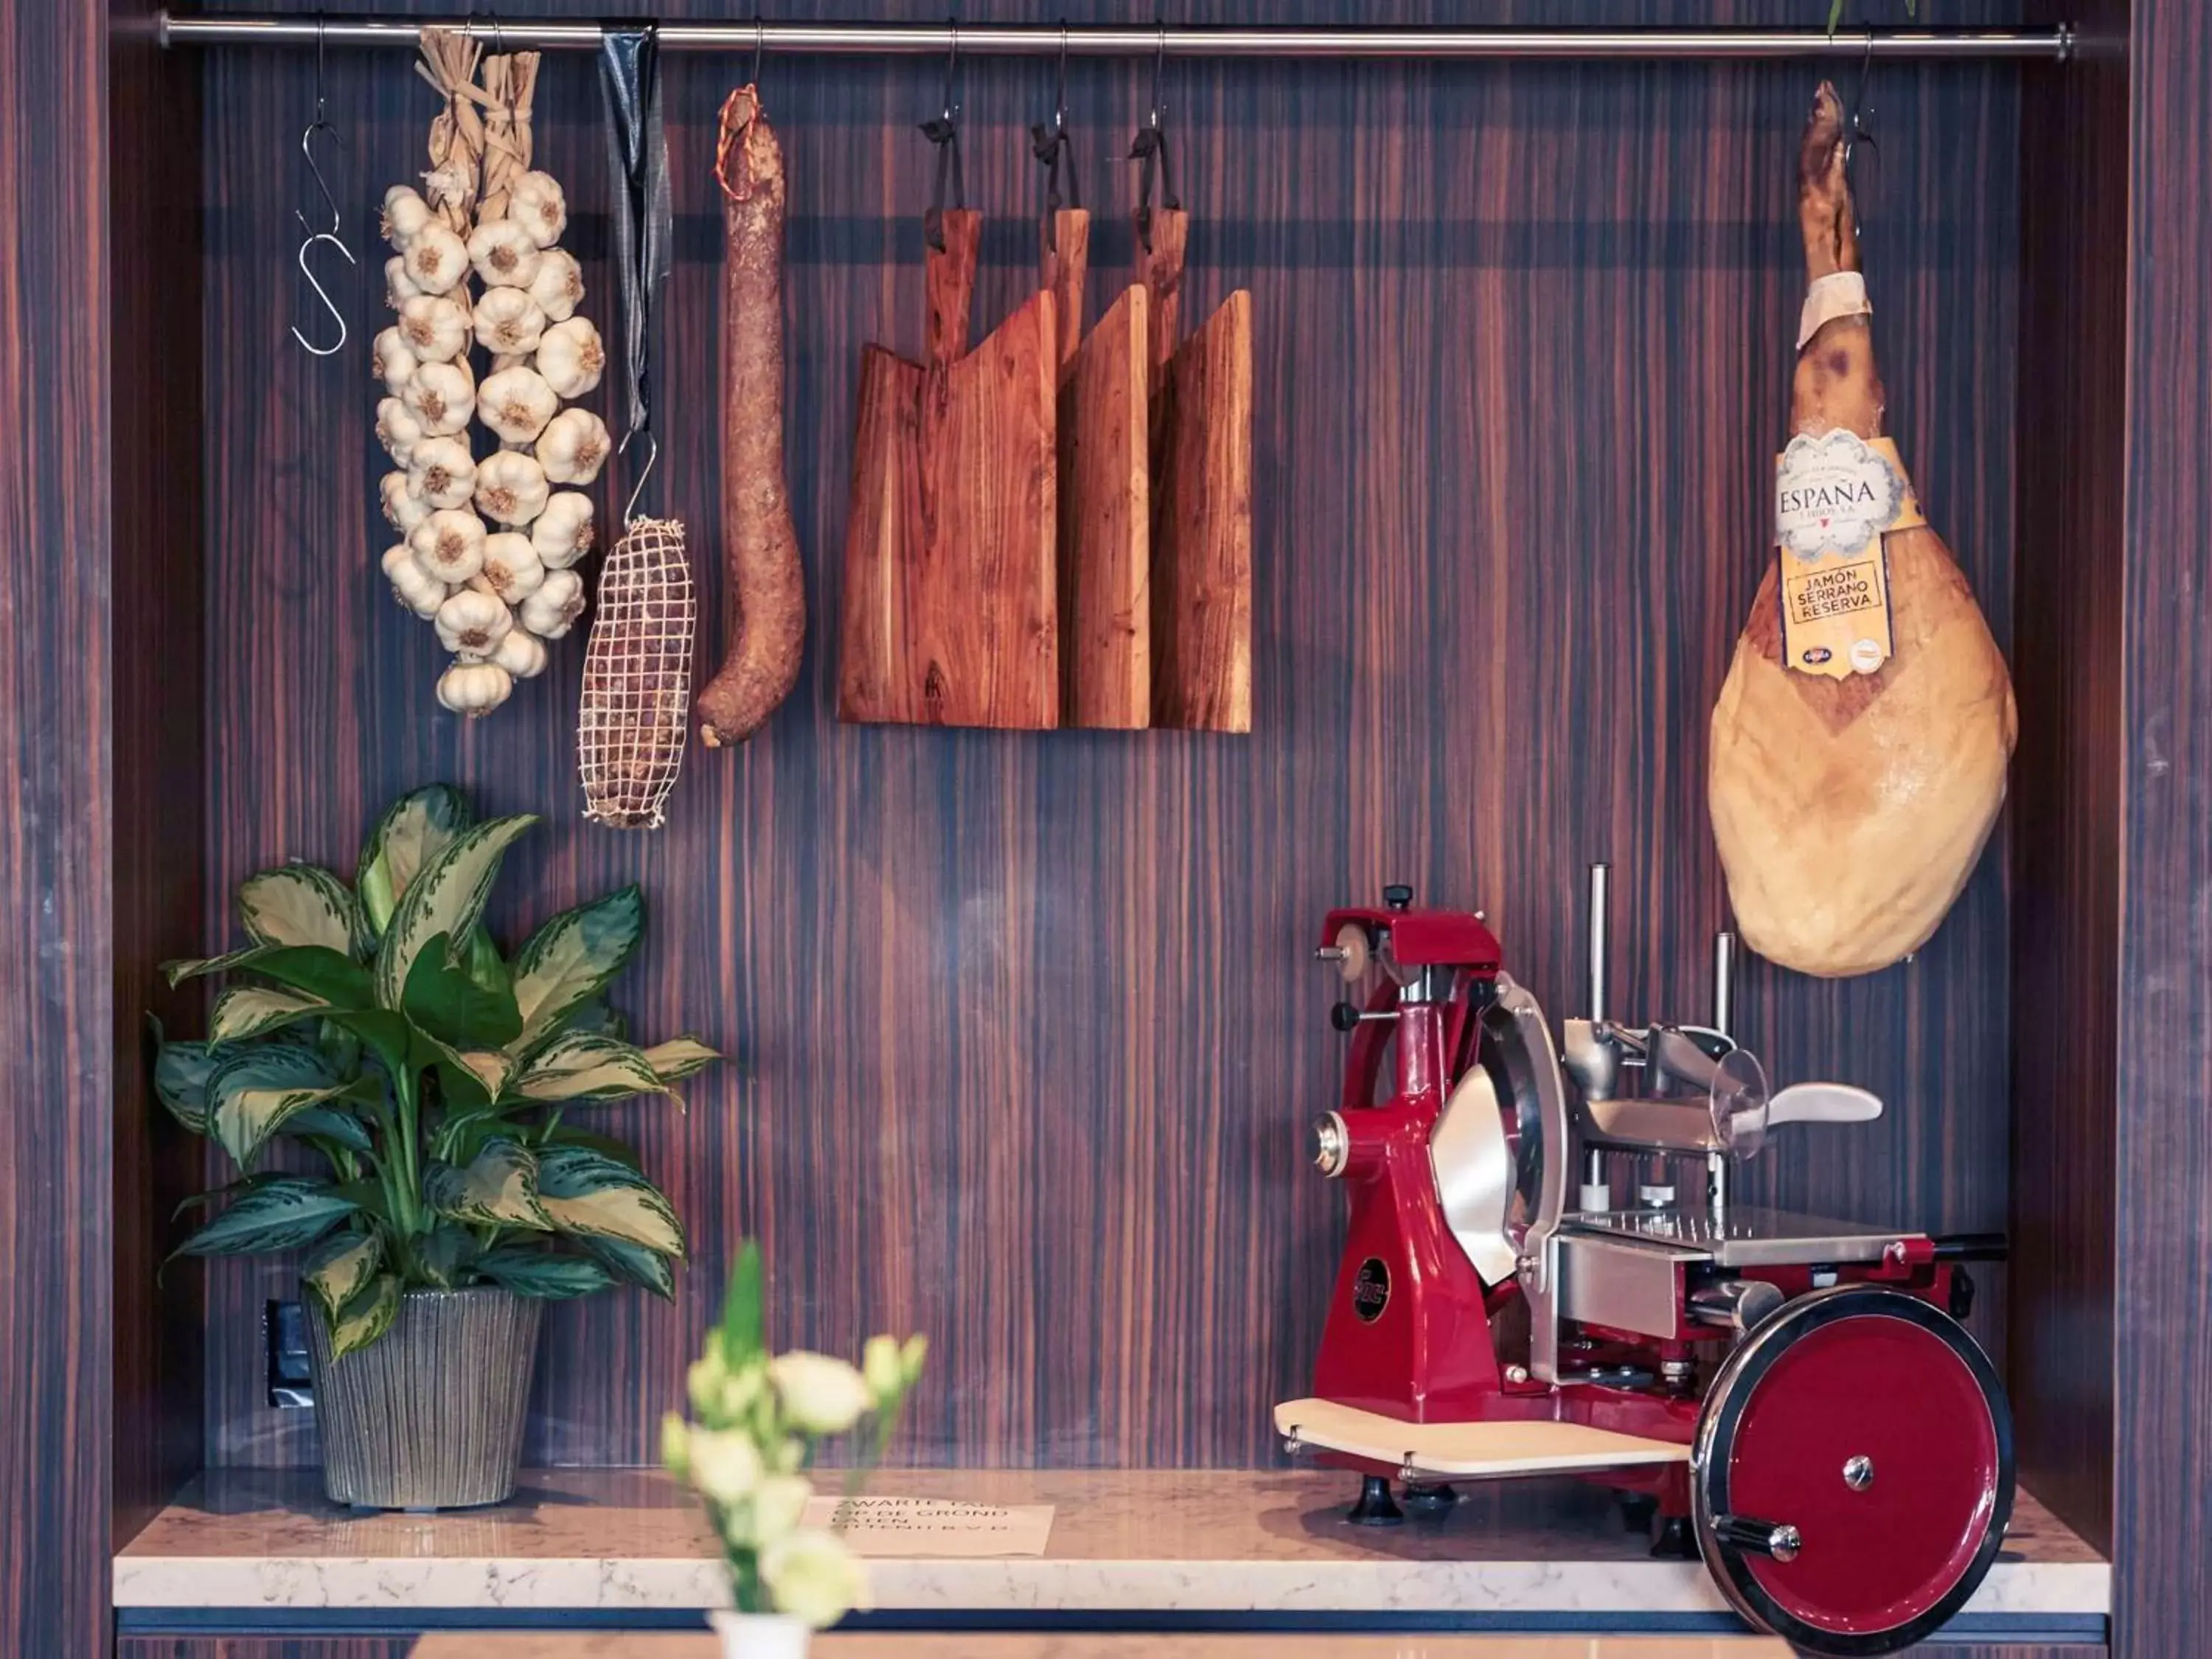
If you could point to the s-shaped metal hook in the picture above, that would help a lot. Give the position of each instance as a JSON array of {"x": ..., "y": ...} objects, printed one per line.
[{"x": 329, "y": 234}]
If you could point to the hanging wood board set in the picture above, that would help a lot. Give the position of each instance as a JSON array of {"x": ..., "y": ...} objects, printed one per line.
[{"x": 1054, "y": 528}]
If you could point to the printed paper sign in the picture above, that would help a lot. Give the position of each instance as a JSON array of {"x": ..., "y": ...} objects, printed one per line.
[
  {"x": 1835, "y": 497},
  {"x": 934, "y": 1526}
]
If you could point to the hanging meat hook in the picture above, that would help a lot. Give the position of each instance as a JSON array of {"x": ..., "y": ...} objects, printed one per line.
[
  {"x": 944, "y": 133},
  {"x": 1054, "y": 144},
  {"x": 330, "y": 234},
  {"x": 1150, "y": 146}
]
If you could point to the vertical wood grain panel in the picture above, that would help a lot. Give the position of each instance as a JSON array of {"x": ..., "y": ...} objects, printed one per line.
[
  {"x": 1025, "y": 1032},
  {"x": 154, "y": 177},
  {"x": 2067, "y": 617},
  {"x": 2162, "y": 1313},
  {"x": 56, "y": 1006}
]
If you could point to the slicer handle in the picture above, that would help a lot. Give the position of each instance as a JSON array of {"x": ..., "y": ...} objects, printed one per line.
[{"x": 1822, "y": 1102}]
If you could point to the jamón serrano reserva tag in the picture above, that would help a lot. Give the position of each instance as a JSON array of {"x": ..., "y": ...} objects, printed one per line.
[{"x": 1835, "y": 497}]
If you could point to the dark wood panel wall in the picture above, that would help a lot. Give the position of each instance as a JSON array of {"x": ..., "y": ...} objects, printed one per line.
[
  {"x": 2067, "y": 651},
  {"x": 2162, "y": 1306},
  {"x": 1025, "y": 1032},
  {"x": 160, "y": 741},
  {"x": 55, "y": 846}
]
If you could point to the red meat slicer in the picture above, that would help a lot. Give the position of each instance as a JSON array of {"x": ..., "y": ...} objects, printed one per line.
[{"x": 1796, "y": 1394}]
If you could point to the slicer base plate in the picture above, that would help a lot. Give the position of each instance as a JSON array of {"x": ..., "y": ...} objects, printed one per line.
[{"x": 1469, "y": 1451}]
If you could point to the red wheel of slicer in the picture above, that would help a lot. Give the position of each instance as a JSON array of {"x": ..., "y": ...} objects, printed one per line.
[{"x": 1853, "y": 1472}]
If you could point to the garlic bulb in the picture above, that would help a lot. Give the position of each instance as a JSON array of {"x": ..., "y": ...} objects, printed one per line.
[
  {"x": 562, "y": 534},
  {"x": 441, "y": 472},
  {"x": 393, "y": 362},
  {"x": 434, "y": 326},
  {"x": 436, "y": 259},
  {"x": 522, "y": 654},
  {"x": 405, "y": 214},
  {"x": 558, "y": 288},
  {"x": 402, "y": 505},
  {"x": 471, "y": 624},
  {"x": 398, "y": 287},
  {"x": 442, "y": 396},
  {"x": 570, "y": 356},
  {"x": 516, "y": 403},
  {"x": 474, "y": 688},
  {"x": 556, "y": 605},
  {"x": 508, "y": 321},
  {"x": 536, "y": 203},
  {"x": 449, "y": 545},
  {"x": 574, "y": 446},
  {"x": 511, "y": 487},
  {"x": 412, "y": 586},
  {"x": 396, "y": 429},
  {"x": 503, "y": 253},
  {"x": 511, "y": 568}
]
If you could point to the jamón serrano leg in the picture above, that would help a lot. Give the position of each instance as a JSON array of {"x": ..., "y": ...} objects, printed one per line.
[
  {"x": 1849, "y": 813},
  {"x": 767, "y": 589}
]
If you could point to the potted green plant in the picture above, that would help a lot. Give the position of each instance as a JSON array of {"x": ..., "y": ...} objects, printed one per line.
[
  {"x": 756, "y": 1421},
  {"x": 379, "y": 1028}
]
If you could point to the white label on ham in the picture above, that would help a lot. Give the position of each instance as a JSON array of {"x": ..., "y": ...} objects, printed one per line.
[{"x": 1833, "y": 494}]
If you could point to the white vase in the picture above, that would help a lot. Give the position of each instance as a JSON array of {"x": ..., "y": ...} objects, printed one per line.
[{"x": 761, "y": 1635}]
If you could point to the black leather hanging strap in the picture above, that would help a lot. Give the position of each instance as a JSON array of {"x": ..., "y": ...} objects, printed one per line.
[{"x": 637, "y": 171}]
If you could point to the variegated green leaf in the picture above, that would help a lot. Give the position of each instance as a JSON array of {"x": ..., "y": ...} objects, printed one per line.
[
  {"x": 251, "y": 1094},
  {"x": 317, "y": 971},
  {"x": 679, "y": 1057},
  {"x": 446, "y": 898},
  {"x": 578, "y": 1066},
  {"x": 180, "y": 1079},
  {"x": 586, "y": 1194},
  {"x": 188, "y": 967},
  {"x": 635, "y": 1263},
  {"x": 547, "y": 1275},
  {"x": 336, "y": 1269},
  {"x": 368, "y": 1316},
  {"x": 329, "y": 1123},
  {"x": 498, "y": 1188},
  {"x": 297, "y": 904},
  {"x": 413, "y": 831},
  {"x": 288, "y": 1213},
  {"x": 245, "y": 1010},
  {"x": 571, "y": 957}
]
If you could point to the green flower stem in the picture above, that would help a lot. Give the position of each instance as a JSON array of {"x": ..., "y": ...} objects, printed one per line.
[{"x": 408, "y": 1211}]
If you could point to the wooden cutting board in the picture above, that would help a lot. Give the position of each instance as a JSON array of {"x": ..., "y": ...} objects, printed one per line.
[
  {"x": 1200, "y": 435},
  {"x": 1105, "y": 494},
  {"x": 949, "y": 612}
]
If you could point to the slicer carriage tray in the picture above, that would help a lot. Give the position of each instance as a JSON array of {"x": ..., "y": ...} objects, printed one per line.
[{"x": 1743, "y": 1236}]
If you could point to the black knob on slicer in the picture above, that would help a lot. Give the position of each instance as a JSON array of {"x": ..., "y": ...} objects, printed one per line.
[{"x": 1397, "y": 895}]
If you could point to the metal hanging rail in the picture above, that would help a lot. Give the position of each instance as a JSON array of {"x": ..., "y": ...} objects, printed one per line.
[{"x": 1036, "y": 40}]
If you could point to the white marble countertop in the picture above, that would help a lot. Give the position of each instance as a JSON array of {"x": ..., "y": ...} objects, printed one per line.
[{"x": 1123, "y": 1540}]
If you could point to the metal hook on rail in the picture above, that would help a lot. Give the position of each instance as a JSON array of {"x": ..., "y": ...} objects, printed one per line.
[
  {"x": 1150, "y": 146},
  {"x": 1054, "y": 144},
  {"x": 944, "y": 131},
  {"x": 760, "y": 45},
  {"x": 329, "y": 234},
  {"x": 1858, "y": 131}
]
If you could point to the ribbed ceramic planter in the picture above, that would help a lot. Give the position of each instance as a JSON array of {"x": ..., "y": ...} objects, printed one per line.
[
  {"x": 760, "y": 1635},
  {"x": 429, "y": 1417}
]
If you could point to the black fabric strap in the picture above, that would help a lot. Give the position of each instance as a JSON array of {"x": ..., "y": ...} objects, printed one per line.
[{"x": 637, "y": 171}]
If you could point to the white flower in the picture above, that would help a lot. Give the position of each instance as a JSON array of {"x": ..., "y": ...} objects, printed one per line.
[
  {"x": 879, "y": 1364},
  {"x": 821, "y": 1394},
  {"x": 676, "y": 1444},
  {"x": 725, "y": 1467},
  {"x": 813, "y": 1577},
  {"x": 779, "y": 1503},
  {"x": 704, "y": 1381},
  {"x": 911, "y": 1355}
]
